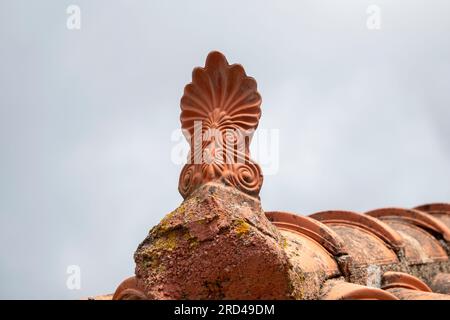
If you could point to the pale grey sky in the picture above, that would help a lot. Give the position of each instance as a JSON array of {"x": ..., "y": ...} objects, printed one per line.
[{"x": 86, "y": 119}]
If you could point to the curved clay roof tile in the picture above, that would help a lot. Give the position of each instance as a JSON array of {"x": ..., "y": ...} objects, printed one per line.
[
  {"x": 342, "y": 290},
  {"x": 416, "y": 217},
  {"x": 408, "y": 294},
  {"x": 441, "y": 283},
  {"x": 377, "y": 227},
  {"x": 393, "y": 279},
  {"x": 429, "y": 207},
  {"x": 440, "y": 211},
  {"x": 129, "y": 289},
  {"x": 309, "y": 227}
]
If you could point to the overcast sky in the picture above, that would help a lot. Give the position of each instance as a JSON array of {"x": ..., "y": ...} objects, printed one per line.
[{"x": 86, "y": 118}]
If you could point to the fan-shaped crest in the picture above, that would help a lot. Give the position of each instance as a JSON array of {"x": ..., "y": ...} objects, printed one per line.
[{"x": 221, "y": 96}]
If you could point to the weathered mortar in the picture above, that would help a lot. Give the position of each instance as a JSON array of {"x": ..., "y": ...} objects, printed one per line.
[{"x": 217, "y": 245}]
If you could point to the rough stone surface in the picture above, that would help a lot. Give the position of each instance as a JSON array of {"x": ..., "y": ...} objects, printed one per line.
[{"x": 217, "y": 245}]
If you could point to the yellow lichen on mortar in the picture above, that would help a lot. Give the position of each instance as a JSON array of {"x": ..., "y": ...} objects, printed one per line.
[
  {"x": 165, "y": 223},
  {"x": 297, "y": 284},
  {"x": 193, "y": 241},
  {"x": 241, "y": 227},
  {"x": 284, "y": 242},
  {"x": 167, "y": 241}
]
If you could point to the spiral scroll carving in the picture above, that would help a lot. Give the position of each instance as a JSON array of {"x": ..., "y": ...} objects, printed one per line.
[
  {"x": 220, "y": 110},
  {"x": 246, "y": 177}
]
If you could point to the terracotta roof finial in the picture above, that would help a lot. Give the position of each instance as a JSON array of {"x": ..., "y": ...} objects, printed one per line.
[
  {"x": 220, "y": 244},
  {"x": 220, "y": 110}
]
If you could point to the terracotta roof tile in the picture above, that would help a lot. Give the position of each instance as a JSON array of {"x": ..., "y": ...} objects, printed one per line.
[
  {"x": 415, "y": 217},
  {"x": 342, "y": 290},
  {"x": 408, "y": 294},
  {"x": 441, "y": 211},
  {"x": 441, "y": 283},
  {"x": 392, "y": 279},
  {"x": 312, "y": 228}
]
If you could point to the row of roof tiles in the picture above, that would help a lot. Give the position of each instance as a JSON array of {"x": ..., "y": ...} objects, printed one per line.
[{"x": 405, "y": 248}]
